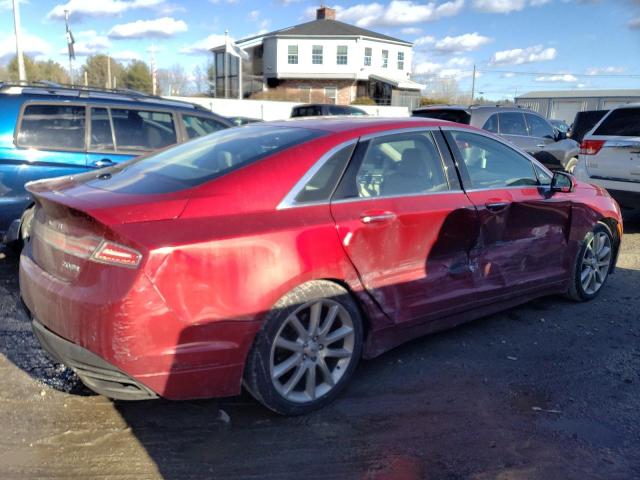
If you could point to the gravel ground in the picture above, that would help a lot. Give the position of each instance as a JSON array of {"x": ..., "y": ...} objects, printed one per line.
[{"x": 548, "y": 390}]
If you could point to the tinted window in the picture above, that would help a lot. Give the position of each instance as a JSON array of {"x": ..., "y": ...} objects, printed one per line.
[
  {"x": 203, "y": 159},
  {"x": 53, "y": 126},
  {"x": 491, "y": 164},
  {"x": 142, "y": 130},
  {"x": 538, "y": 127},
  {"x": 200, "y": 126},
  {"x": 492, "y": 124},
  {"x": 624, "y": 122},
  {"x": 399, "y": 164},
  {"x": 512, "y": 123},
  {"x": 322, "y": 184},
  {"x": 309, "y": 111},
  {"x": 101, "y": 138},
  {"x": 458, "y": 116}
]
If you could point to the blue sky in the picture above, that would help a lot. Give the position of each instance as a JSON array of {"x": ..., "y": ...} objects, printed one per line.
[{"x": 517, "y": 45}]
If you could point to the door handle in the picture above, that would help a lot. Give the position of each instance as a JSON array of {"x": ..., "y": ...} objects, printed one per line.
[
  {"x": 377, "y": 217},
  {"x": 541, "y": 145},
  {"x": 496, "y": 206},
  {"x": 105, "y": 162}
]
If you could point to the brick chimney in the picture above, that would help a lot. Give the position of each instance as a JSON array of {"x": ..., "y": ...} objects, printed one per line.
[{"x": 325, "y": 13}]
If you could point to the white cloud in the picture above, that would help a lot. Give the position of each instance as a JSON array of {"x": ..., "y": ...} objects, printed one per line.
[
  {"x": 204, "y": 45},
  {"x": 32, "y": 45},
  {"x": 453, "y": 68},
  {"x": 89, "y": 42},
  {"x": 428, "y": 40},
  {"x": 79, "y": 9},
  {"x": 396, "y": 13},
  {"x": 560, "y": 77},
  {"x": 462, "y": 43},
  {"x": 605, "y": 70},
  {"x": 254, "y": 15},
  {"x": 411, "y": 31},
  {"x": 164, "y": 27},
  {"x": 506, "y": 6},
  {"x": 126, "y": 55},
  {"x": 8, "y": 4},
  {"x": 519, "y": 56}
]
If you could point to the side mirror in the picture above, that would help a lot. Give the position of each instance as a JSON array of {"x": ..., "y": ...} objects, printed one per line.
[
  {"x": 560, "y": 135},
  {"x": 563, "y": 182}
]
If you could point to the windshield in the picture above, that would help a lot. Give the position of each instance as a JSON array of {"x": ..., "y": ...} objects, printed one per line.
[{"x": 202, "y": 159}]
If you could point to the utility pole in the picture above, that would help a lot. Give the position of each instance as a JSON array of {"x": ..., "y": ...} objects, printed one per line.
[
  {"x": 22, "y": 76},
  {"x": 108, "y": 85},
  {"x": 473, "y": 85}
]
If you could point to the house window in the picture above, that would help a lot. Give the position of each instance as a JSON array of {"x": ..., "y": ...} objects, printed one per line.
[
  {"x": 331, "y": 93},
  {"x": 292, "y": 56},
  {"x": 341, "y": 58},
  {"x": 316, "y": 55},
  {"x": 305, "y": 93},
  {"x": 385, "y": 58},
  {"x": 367, "y": 56},
  {"x": 400, "y": 60}
]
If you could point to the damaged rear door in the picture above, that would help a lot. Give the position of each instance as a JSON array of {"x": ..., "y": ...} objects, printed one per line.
[
  {"x": 523, "y": 229},
  {"x": 406, "y": 224}
]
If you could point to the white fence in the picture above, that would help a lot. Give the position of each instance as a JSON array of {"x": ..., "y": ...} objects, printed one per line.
[{"x": 270, "y": 110}]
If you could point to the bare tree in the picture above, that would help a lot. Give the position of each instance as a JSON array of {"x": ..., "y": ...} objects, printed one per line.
[{"x": 173, "y": 81}]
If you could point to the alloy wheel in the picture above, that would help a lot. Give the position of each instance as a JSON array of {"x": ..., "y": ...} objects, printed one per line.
[
  {"x": 595, "y": 263},
  {"x": 312, "y": 350}
]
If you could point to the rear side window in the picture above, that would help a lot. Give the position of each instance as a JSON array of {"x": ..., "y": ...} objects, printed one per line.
[
  {"x": 203, "y": 159},
  {"x": 101, "y": 135},
  {"x": 512, "y": 123},
  {"x": 142, "y": 130},
  {"x": 322, "y": 184},
  {"x": 538, "y": 127},
  {"x": 491, "y": 125},
  {"x": 53, "y": 127},
  {"x": 309, "y": 111},
  {"x": 199, "y": 126},
  {"x": 624, "y": 122}
]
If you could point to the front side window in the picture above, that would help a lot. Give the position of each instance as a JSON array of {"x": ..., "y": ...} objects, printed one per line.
[
  {"x": 194, "y": 163},
  {"x": 316, "y": 54},
  {"x": 538, "y": 127},
  {"x": 385, "y": 58},
  {"x": 200, "y": 126},
  {"x": 341, "y": 58},
  {"x": 292, "y": 57},
  {"x": 512, "y": 123},
  {"x": 400, "y": 60},
  {"x": 492, "y": 164},
  {"x": 624, "y": 122},
  {"x": 142, "y": 130},
  {"x": 331, "y": 93},
  {"x": 53, "y": 127},
  {"x": 368, "y": 52},
  {"x": 398, "y": 164},
  {"x": 101, "y": 135}
]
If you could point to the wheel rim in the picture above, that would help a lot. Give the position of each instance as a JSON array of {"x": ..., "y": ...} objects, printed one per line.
[
  {"x": 595, "y": 263},
  {"x": 312, "y": 351}
]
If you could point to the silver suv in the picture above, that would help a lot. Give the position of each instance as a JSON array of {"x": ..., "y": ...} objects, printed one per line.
[
  {"x": 610, "y": 155},
  {"x": 524, "y": 128}
]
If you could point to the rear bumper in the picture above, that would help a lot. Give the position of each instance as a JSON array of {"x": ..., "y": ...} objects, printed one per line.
[{"x": 95, "y": 373}]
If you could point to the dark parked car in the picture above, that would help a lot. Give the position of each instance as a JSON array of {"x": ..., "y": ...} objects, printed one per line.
[
  {"x": 584, "y": 122},
  {"x": 322, "y": 109},
  {"x": 524, "y": 128},
  {"x": 275, "y": 255},
  {"x": 50, "y": 130}
]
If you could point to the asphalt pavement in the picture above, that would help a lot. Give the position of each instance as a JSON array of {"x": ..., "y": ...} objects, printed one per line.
[{"x": 548, "y": 390}]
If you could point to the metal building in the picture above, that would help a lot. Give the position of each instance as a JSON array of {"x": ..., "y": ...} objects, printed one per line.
[{"x": 564, "y": 104}]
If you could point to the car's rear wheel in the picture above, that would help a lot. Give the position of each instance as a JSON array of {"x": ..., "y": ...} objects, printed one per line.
[
  {"x": 307, "y": 350},
  {"x": 592, "y": 264},
  {"x": 571, "y": 165}
]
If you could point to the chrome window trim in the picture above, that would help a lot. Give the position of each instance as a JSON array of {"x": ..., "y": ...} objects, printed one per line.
[
  {"x": 387, "y": 197},
  {"x": 398, "y": 131},
  {"x": 289, "y": 201}
]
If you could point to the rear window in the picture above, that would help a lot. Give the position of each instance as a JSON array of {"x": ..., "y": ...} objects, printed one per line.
[
  {"x": 623, "y": 122},
  {"x": 58, "y": 127},
  {"x": 458, "y": 116},
  {"x": 203, "y": 159}
]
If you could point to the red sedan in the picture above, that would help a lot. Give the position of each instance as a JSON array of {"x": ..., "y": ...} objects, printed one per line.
[{"x": 276, "y": 255}]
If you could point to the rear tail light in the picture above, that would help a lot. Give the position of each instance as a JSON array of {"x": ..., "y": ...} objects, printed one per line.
[
  {"x": 115, "y": 254},
  {"x": 591, "y": 147}
]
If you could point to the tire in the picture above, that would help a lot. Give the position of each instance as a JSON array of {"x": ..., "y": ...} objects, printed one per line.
[
  {"x": 298, "y": 364},
  {"x": 25, "y": 231},
  {"x": 592, "y": 264},
  {"x": 571, "y": 165}
]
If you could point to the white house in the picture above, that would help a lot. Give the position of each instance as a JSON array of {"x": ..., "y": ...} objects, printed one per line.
[{"x": 321, "y": 61}]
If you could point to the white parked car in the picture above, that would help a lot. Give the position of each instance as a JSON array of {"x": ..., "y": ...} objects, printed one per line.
[{"x": 610, "y": 155}]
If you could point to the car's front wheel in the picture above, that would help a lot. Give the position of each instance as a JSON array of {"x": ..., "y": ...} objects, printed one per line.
[
  {"x": 592, "y": 264},
  {"x": 307, "y": 350}
]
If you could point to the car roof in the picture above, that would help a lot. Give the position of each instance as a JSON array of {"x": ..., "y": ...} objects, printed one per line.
[
  {"x": 357, "y": 123},
  {"x": 476, "y": 108}
]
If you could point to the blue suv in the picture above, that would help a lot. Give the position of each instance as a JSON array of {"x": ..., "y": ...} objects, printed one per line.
[{"x": 47, "y": 130}]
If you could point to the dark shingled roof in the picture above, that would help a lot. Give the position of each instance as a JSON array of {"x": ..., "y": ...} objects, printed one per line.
[{"x": 326, "y": 27}]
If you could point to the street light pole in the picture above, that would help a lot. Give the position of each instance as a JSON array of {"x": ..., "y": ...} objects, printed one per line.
[{"x": 16, "y": 23}]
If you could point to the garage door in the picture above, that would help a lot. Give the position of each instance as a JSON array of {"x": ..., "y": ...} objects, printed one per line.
[{"x": 565, "y": 109}]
